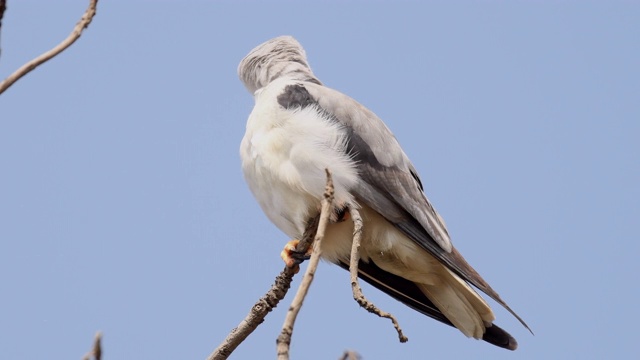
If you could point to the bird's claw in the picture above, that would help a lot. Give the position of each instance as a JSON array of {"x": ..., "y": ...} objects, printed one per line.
[{"x": 291, "y": 257}]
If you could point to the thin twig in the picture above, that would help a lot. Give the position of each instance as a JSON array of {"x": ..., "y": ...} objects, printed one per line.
[
  {"x": 256, "y": 315},
  {"x": 96, "y": 351},
  {"x": 358, "y": 296},
  {"x": 350, "y": 355},
  {"x": 268, "y": 302},
  {"x": 284, "y": 340},
  {"x": 75, "y": 34}
]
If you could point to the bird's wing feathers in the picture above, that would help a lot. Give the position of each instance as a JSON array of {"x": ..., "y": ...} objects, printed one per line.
[{"x": 389, "y": 182}]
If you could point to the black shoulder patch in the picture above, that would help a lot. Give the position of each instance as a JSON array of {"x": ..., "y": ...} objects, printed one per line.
[{"x": 295, "y": 96}]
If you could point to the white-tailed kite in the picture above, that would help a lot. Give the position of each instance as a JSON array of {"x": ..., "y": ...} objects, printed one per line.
[{"x": 297, "y": 129}]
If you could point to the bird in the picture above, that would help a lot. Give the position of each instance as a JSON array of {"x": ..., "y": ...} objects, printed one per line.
[{"x": 298, "y": 128}]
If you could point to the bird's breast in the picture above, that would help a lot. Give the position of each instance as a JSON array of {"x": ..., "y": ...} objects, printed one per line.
[{"x": 284, "y": 156}]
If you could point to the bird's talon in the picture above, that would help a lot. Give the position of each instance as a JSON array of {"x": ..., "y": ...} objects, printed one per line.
[{"x": 291, "y": 257}]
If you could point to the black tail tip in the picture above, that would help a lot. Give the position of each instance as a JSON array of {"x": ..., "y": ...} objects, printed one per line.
[
  {"x": 498, "y": 337},
  {"x": 512, "y": 344}
]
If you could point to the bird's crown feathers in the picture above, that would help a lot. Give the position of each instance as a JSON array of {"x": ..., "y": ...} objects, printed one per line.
[{"x": 275, "y": 58}]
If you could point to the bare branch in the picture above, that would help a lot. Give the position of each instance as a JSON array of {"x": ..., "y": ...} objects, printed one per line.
[
  {"x": 353, "y": 269},
  {"x": 284, "y": 340},
  {"x": 268, "y": 302},
  {"x": 314, "y": 233},
  {"x": 75, "y": 34},
  {"x": 256, "y": 315},
  {"x": 350, "y": 355},
  {"x": 95, "y": 352}
]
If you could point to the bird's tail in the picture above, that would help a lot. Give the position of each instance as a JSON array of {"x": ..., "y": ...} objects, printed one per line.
[
  {"x": 459, "y": 303},
  {"x": 411, "y": 295}
]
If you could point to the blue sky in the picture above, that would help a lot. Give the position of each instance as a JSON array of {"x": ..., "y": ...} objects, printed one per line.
[{"x": 123, "y": 207}]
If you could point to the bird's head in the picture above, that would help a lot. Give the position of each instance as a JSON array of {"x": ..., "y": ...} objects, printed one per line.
[{"x": 275, "y": 58}]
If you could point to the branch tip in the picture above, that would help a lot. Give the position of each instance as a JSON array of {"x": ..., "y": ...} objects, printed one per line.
[
  {"x": 96, "y": 351},
  {"x": 84, "y": 22},
  {"x": 358, "y": 296}
]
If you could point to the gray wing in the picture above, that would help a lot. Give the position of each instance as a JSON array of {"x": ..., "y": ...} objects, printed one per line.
[{"x": 390, "y": 184}]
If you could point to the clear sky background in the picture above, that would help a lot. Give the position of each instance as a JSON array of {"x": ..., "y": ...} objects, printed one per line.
[{"x": 123, "y": 207}]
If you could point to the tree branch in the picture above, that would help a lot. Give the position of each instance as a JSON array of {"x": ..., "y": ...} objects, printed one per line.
[
  {"x": 75, "y": 34},
  {"x": 358, "y": 296},
  {"x": 314, "y": 234},
  {"x": 256, "y": 315},
  {"x": 96, "y": 351},
  {"x": 350, "y": 355},
  {"x": 284, "y": 340},
  {"x": 268, "y": 302}
]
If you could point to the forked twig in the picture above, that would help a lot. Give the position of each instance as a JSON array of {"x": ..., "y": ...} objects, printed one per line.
[
  {"x": 314, "y": 234},
  {"x": 268, "y": 302},
  {"x": 358, "y": 296}
]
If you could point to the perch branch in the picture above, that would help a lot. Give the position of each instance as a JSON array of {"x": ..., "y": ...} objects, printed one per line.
[
  {"x": 75, "y": 34},
  {"x": 256, "y": 315},
  {"x": 96, "y": 351},
  {"x": 284, "y": 340},
  {"x": 268, "y": 302},
  {"x": 358, "y": 296}
]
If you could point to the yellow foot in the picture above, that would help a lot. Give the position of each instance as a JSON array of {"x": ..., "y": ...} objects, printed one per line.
[{"x": 291, "y": 257}]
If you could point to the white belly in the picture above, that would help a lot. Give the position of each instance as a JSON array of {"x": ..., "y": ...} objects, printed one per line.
[{"x": 284, "y": 155}]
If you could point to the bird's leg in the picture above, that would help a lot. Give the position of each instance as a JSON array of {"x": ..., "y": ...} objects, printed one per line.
[{"x": 293, "y": 258}]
